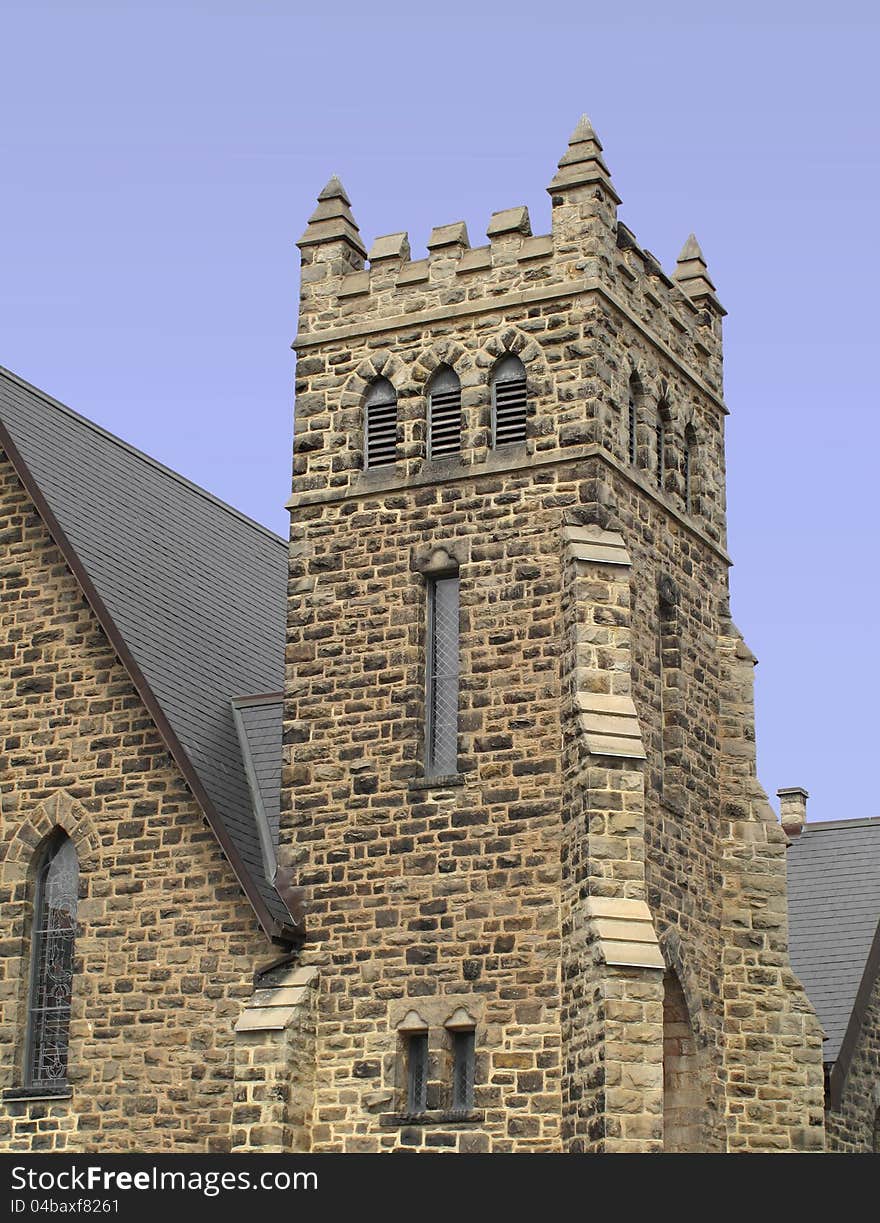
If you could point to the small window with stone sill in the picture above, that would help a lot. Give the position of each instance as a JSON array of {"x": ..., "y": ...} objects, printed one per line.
[
  {"x": 413, "y": 1063},
  {"x": 461, "y": 1030}
]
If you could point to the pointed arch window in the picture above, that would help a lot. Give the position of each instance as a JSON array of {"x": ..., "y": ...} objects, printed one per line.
[
  {"x": 509, "y": 401},
  {"x": 441, "y": 697},
  {"x": 444, "y": 414},
  {"x": 690, "y": 448},
  {"x": 52, "y": 949},
  {"x": 632, "y": 422},
  {"x": 380, "y": 409},
  {"x": 660, "y": 444}
]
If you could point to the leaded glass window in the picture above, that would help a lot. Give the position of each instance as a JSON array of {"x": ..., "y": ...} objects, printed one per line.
[
  {"x": 53, "y": 939},
  {"x": 417, "y": 1073},
  {"x": 442, "y": 676},
  {"x": 463, "y": 1071}
]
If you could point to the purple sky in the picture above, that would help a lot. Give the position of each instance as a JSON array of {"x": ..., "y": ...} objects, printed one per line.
[{"x": 159, "y": 162}]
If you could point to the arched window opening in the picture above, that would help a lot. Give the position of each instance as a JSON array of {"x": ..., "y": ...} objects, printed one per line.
[
  {"x": 684, "y": 1098},
  {"x": 52, "y": 941},
  {"x": 509, "y": 401},
  {"x": 380, "y": 409},
  {"x": 690, "y": 447},
  {"x": 444, "y": 414},
  {"x": 635, "y": 389},
  {"x": 662, "y": 412}
]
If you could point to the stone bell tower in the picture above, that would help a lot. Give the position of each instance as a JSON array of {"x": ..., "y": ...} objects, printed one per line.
[{"x": 545, "y": 892}]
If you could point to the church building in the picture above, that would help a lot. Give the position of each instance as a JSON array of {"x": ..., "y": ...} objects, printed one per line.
[{"x": 438, "y": 826}]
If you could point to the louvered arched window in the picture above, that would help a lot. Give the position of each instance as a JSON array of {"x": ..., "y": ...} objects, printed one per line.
[
  {"x": 52, "y": 948},
  {"x": 444, "y": 413},
  {"x": 380, "y": 432},
  {"x": 509, "y": 401}
]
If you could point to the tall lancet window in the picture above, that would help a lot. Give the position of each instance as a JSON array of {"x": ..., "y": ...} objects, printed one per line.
[
  {"x": 53, "y": 940},
  {"x": 632, "y": 419},
  {"x": 380, "y": 432},
  {"x": 690, "y": 447},
  {"x": 442, "y": 675},
  {"x": 509, "y": 401},
  {"x": 662, "y": 412},
  {"x": 444, "y": 414}
]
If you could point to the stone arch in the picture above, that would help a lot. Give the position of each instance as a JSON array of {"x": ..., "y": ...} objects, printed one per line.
[
  {"x": 685, "y": 1087},
  {"x": 446, "y": 352},
  {"x": 20, "y": 857},
  {"x": 510, "y": 341},
  {"x": 354, "y": 394},
  {"x": 378, "y": 365},
  {"x": 690, "y": 467},
  {"x": 61, "y": 810}
]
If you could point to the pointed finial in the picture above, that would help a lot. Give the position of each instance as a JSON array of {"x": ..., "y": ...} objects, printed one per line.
[
  {"x": 582, "y": 162},
  {"x": 333, "y": 220},
  {"x": 692, "y": 275},
  {"x": 691, "y": 250},
  {"x": 334, "y": 191}
]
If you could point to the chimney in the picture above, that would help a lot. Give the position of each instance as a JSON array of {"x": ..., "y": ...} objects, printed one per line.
[{"x": 793, "y": 810}]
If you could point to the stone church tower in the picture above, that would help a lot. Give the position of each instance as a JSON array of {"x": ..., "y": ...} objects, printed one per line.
[{"x": 545, "y": 892}]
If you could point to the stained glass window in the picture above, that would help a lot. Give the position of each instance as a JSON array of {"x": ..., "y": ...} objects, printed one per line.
[{"x": 54, "y": 936}]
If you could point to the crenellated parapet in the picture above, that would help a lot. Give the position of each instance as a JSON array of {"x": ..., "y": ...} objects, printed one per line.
[
  {"x": 587, "y": 249},
  {"x": 598, "y": 307}
]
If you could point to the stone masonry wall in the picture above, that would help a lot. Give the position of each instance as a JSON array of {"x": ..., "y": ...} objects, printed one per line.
[
  {"x": 856, "y": 1124},
  {"x": 417, "y": 891},
  {"x": 167, "y": 944}
]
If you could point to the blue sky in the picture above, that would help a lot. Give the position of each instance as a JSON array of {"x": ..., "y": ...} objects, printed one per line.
[{"x": 159, "y": 162}]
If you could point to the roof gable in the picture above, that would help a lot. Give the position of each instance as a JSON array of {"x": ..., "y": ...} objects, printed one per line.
[{"x": 190, "y": 592}]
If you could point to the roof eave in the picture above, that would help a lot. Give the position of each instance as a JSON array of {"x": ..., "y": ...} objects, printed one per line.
[{"x": 276, "y": 931}]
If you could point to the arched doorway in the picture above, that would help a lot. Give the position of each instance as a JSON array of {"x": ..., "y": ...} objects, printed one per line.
[{"x": 684, "y": 1100}]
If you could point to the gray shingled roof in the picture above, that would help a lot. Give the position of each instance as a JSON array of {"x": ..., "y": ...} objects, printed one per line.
[
  {"x": 195, "y": 589},
  {"x": 259, "y": 720},
  {"x": 834, "y": 910}
]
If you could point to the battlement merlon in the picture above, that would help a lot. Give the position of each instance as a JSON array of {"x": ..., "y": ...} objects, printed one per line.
[{"x": 587, "y": 249}]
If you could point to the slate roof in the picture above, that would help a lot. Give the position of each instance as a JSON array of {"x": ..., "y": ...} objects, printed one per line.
[
  {"x": 259, "y": 723},
  {"x": 195, "y": 593},
  {"x": 834, "y": 911}
]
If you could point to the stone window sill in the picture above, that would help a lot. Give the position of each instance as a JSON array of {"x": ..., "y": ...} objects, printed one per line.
[
  {"x": 440, "y": 1116},
  {"x": 19, "y": 1095},
  {"x": 436, "y": 783}
]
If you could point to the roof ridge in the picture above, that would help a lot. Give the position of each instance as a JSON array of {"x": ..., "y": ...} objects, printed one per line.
[
  {"x": 141, "y": 454},
  {"x": 859, "y": 822}
]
